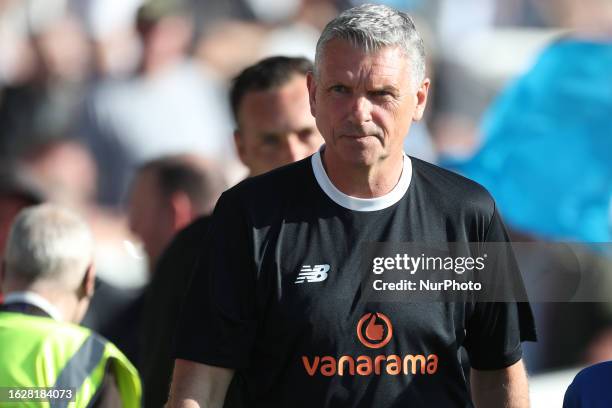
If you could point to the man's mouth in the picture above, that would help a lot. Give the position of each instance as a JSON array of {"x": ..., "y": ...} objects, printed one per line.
[{"x": 358, "y": 135}]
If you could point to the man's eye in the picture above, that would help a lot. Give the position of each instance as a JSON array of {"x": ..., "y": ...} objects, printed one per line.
[
  {"x": 339, "y": 89},
  {"x": 269, "y": 140},
  {"x": 306, "y": 133},
  {"x": 381, "y": 94}
]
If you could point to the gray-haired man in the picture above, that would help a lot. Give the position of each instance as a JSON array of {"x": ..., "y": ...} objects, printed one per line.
[
  {"x": 48, "y": 277},
  {"x": 284, "y": 303}
]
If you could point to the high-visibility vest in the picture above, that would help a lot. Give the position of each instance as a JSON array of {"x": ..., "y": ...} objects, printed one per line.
[{"x": 41, "y": 352}]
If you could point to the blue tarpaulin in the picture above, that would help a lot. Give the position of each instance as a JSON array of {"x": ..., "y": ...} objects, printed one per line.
[{"x": 546, "y": 154}]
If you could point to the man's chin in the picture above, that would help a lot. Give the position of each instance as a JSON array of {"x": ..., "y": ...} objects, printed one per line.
[{"x": 360, "y": 157}]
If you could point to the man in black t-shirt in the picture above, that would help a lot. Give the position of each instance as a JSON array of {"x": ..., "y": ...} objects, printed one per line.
[{"x": 279, "y": 298}]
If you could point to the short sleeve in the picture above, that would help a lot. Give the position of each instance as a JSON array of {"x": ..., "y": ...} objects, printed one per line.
[
  {"x": 217, "y": 323},
  {"x": 495, "y": 330}
]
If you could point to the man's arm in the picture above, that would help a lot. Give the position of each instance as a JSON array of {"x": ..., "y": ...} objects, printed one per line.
[
  {"x": 196, "y": 385},
  {"x": 507, "y": 388}
]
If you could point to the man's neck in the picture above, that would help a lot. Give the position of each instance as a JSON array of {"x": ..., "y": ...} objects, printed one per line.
[{"x": 364, "y": 181}]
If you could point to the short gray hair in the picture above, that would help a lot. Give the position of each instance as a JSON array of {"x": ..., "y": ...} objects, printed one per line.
[
  {"x": 49, "y": 244},
  {"x": 372, "y": 27}
]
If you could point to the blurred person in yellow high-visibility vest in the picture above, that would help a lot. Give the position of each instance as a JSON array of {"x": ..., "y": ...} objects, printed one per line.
[{"x": 48, "y": 278}]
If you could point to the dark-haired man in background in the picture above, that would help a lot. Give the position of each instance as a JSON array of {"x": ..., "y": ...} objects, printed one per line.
[
  {"x": 270, "y": 106},
  {"x": 274, "y": 127},
  {"x": 167, "y": 194}
]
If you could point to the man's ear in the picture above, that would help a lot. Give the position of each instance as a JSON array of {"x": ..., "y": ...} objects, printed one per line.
[
  {"x": 182, "y": 208},
  {"x": 240, "y": 147},
  {"x": 312, "y": 92},
  {"x": 89, "y": 281},
  {"x": 421, "y": 96}
]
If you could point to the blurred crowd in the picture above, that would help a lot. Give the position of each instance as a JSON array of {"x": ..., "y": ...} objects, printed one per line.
[{"x": 90, "y": 90}]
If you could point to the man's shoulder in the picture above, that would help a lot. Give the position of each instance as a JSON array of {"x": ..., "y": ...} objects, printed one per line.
[
  {"x": 273, "y": 185},
  {"x": 597, "y": 371},
  {"x": 189, "y": 236},
  {"x": 590, "y": 387},
  {"x": 449, "y": 188},
  {"x": 44, "y": 327},
  {"x": 175, "y": 266}
]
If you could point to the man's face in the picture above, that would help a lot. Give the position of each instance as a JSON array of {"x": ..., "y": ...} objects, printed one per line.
[
  {"x": 149, "y": 215},
  {"x": 276, "y": 127},
  {"x": 364, "y": 103}
]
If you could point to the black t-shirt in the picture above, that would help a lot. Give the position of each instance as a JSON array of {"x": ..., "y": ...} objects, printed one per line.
[
  {"x": 279, "y": 299},
  {"x": 163, "y": 299}
]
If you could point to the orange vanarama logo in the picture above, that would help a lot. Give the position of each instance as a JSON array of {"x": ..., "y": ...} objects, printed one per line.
[
  {"x": 374, "y": 334},
  {"x": 374, "y": 330}
]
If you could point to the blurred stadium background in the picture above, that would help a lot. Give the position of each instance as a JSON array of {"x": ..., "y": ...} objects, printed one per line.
[{"x": 521, "y": 102}]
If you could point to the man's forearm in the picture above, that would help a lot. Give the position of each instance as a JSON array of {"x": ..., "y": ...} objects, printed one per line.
[
  {"x": 507, "y": 388},
  {"x": 198, "y": 386}
]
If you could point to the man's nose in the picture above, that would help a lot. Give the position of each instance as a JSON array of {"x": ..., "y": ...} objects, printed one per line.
[{"x": 361, "y": 110}]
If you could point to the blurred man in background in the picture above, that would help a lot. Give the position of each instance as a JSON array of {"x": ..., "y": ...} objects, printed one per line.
[
  {"x": 64, "y": 171},
  {"x": 170, "y": 106},
  {"x": 166, "y": 195},
  {"x": 48, "y": 277},
  {"x": 270, "y": 106},
  {"x": 273, "y": 127}
]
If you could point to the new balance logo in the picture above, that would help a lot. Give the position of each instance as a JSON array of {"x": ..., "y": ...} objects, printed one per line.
[{"x": 317, "y": 273}]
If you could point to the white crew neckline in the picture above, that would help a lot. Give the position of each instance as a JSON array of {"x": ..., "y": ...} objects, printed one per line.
[
  {"x": 34, "y": 299},
  {"x": 361, "y": 204}
]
